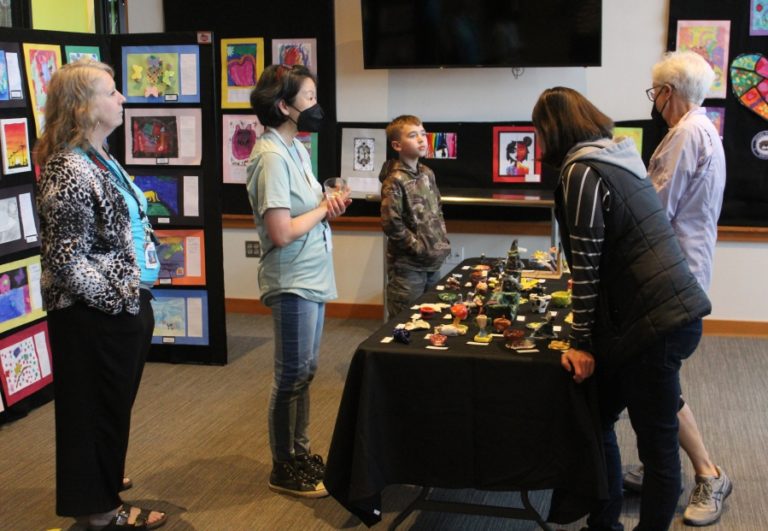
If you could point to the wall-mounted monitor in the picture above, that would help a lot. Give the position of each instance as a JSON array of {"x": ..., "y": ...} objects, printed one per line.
[{"x": 488, "y": 33}]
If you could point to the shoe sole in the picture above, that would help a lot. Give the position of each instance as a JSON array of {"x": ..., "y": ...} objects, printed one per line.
[
  {"x": 299, "y": 493},
  {"x": 710, "y": 522}
]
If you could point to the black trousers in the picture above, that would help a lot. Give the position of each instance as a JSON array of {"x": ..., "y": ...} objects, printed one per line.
[{"x": 98, "y": 360}]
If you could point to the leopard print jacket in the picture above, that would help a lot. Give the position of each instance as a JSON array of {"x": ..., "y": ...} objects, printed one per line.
[{"x": 87, "y": 250}]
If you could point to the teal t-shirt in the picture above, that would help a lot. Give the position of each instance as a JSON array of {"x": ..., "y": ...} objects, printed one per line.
[{"x": 280, "y": 176}]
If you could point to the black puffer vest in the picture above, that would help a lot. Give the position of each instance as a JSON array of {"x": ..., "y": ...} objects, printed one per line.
[{"x": 646, "y": 288}]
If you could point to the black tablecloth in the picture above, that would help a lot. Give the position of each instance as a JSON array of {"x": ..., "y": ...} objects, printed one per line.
[{"x": 471, "y": 416}]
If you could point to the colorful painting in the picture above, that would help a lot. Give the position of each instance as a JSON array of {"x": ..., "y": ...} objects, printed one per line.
[
  {"x": 161, "y": 74},
  {"x": 310, "y": 143},
  {"x": 717, "y": 115},
  {"x": 163, "y": 136},
  {"x": 442, "y": 146},
  {"x": 290, "y": 52},
  {"x": 42, "y": 61},
  {"x": 181, "y": 317},
  {"x": 749, "y": 82},
  {"x": 18, "y": 219},
  {"x": 171, "y": 199},
  {"x": 242, "y": 61},
  {"x": 14, "y": 140},
  {"x": 25, "y": 362},
  {"x": 635, "y": 133},
  {"x": 75, "y": 53},
  {"x": 20, "y": 298},
  {"x": 516, "y": 155},
  {"x": 758, "y": 18},
  {"x": 182, "y": 257},
  {"x": 710, "y": 39},
  {"x": 239, "y": 132},
  {"x": 11, "y": 86}
]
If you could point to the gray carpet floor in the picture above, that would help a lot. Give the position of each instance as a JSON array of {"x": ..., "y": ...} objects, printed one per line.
[{"x": 199, "y": 444}]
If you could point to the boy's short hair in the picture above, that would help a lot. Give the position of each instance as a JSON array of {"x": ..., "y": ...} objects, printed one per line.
[{"x": 395, "y": 126}]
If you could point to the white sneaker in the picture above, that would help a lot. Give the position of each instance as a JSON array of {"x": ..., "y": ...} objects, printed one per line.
[{"x": 706, "y": 503}]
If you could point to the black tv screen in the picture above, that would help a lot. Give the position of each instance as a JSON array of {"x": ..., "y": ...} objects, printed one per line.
[{"x": 491, "y": 33}]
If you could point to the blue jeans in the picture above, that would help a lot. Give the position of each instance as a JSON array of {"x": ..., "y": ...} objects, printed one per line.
[
  {"x": 298, "y": 325},
  {"x": 649, "y": 388},
  {"x": 404, "y": 286}
]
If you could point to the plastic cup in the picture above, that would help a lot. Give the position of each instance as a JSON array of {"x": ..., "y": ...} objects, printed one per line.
[{"x": 334, "y": 185}]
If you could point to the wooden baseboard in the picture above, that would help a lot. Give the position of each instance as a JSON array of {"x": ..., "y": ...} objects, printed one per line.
[{"x": 720, "y": 327}]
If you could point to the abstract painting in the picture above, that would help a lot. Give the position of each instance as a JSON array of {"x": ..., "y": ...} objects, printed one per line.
[
  {"x": 182, "y": 257},
  {"x": 758, "y": 18},
  {"x": 242, "y": 61},
  {"x": 710, "y": 39},
  {"x": 635, "y": 133},
  {"x": 163, "y": 136},
  {"x": 171, "y": 198},
  {"x": 310, "y": 143},
  {"x": 181, "y": 317},
  {"x": 75, "y": 53},
  {"x": 291, "y": 52},
  {"x": 41, "y": 60},
  {"x": 20, "y": 298},
  {"x": 25, "y": 362},
  {"x": 516, "y": 155},
  {"x": 717, "y": 115},
  {"x": 749, "y": 82},
  {"x": 239, "y": 132},
  {"x": 441, "y": 146},
  {"x": 363, "y": 152},
  {"x": 11, "y": 86},
  {"x": 18, "y": 219},
  {"x": 161, "y": 74},
  {"x": 14, "y": 139}
]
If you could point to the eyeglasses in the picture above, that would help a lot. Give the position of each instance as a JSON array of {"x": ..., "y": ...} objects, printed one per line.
[{"x": 653, "y": 92}]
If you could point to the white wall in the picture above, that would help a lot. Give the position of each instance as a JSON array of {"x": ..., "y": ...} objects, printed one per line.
[
  {"x": 145, "y": 16},
  {"x": 633, "y": 40}
]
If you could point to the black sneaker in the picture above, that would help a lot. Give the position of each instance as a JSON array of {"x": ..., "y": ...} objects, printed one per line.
[
  {"x": 312, "y": 465},
  {"x": 287, "y": 478}
]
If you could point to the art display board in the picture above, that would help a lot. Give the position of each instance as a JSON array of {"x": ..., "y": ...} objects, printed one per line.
[
  {"x": 20, "y": 300},
  {"x": 25, "y": 362},
  {"x": 174, "y": 197},
  {"x": 19, "y": 225},
  {"x": 363, "y": 151},
  {"x": 14, "y": 139},
  {"x": 181, "y": 254},
  {"x": 239, "y": 133},
  {"x": 181, "y": 317},
  {"x": 167, "y": 136},
  {"x": 11, "y": 85},
  {"x": 40, "y": 61},
  {"x": 161, "y": 74},
  {"x": 242, "y": 62}
]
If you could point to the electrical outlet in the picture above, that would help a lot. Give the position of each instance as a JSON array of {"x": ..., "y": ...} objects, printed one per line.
[
  {"x": 456, "y": 256},
  {"x": 252, "y": 249}
]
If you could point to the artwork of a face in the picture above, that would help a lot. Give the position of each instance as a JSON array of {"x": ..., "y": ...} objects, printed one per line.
[{"x": 243, "y": 140}]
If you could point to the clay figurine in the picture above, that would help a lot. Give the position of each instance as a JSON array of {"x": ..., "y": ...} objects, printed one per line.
[{"x": 482, "y": 335}]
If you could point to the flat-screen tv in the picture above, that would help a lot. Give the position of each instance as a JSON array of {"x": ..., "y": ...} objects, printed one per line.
[{"x": 490, "y": 33}]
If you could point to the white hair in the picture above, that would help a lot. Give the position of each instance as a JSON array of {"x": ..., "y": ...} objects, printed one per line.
[{"x": 688, "y": 72}]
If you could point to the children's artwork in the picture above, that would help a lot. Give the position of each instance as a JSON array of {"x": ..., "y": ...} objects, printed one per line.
[
  {"x": 11, "y": 87},
  {"x": 310, "y": 143},
  {"x": 161, "y": 74},
  {"x": 181, "y": 317},
  {"x": 441, "y": 146},
  {"x": 20, "y": 298},
  {"x": 635, "y": 133},
  {"x": 42, "y": 61},
  {"x": 363, "y": 152},
  {"x": 171, "y": 198},
  {"x": 749, "y": 82},
  {"x": 75, "y": 53},
  {"x": 717, "y": 115},
  {"x": 239, "y": 132},
  {"x": 163, "y": 136},
  {"x": 14, "y": 140},
  {"x": 182, "y": 257},
  {"x": 516, "y": 155},
  {"x": 19, "y": 225},
  {"x": 710, "y": 39},
  {"x": 291, "y": 52},
  {"x": 242, "y": 61},
  {"x": 25, "y": 362},
  {"x": 758, "y": 18}
]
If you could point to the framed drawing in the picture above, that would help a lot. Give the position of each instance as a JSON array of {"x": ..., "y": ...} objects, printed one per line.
[
  {"x": 710, "y": 39},
  {"x": 163, "y": 136},
  {"x": 242, "y": 61},
  {"x": 75, "y": 53},
  {"x": 291, "y": 52},
  {"x": 25, "y": 362},
  {"x": 441, "y": 146},
  {"x": 363, "y": 152},
  {"x": 239, "y": 132},
  {"x": 310, "y": 142},
  {"x": 14, "y": 139},
  {"x": 172, "y": 197},
  {"x": 161, "y": 74},
  {"x": 182, "y": 257},
  {"x": 181, "y": 317},
  {"x": 41, "y": 61},
  {"x": 635, "y": 133},
  {"x": 19, "y": 225},
  {"x": 758, "y": 18},
  {"x": 20, "y": 298},
  {"x": 11, "y": 86},
  {"x": 516, "y": 155}
]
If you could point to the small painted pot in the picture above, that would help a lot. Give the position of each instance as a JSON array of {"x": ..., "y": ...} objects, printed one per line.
[{"x": 501, "y": 323}]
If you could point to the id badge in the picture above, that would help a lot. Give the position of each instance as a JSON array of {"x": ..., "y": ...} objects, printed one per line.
[
  {"x": 150, "y": 256},
  {"x": 327, "y": 238}
]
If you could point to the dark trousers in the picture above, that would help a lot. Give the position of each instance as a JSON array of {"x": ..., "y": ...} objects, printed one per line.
[
  {"x": 98, "y": 360},
  {"x": 649, "y": 388}
]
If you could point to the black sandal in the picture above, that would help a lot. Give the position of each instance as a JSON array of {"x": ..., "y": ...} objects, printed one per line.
[{"x": 121, "y": 520}]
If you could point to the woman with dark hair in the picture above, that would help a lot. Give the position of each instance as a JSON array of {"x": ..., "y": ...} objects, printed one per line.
[
  {"x": 296, "y": 268},
  {"x": 99, "y": 263},
  {"x": 637, "y": 307}
]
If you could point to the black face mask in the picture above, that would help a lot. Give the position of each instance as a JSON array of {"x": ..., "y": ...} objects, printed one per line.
[
  {"x": 310, "y": 119},
  {"x": 657, "y": 117}
]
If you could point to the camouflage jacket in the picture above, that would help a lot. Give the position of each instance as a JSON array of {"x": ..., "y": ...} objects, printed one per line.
[{"x": 412, "y": 217}]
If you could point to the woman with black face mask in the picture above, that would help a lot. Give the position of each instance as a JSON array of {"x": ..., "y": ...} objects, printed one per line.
[{"x": 296, "y": 268}]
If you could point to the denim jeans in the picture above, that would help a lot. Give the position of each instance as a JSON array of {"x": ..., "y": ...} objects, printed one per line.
[
  {"x": 298, "y": 326},
  {"x": 404, "y": 286},
  {"x": 649, "y": 387}
]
